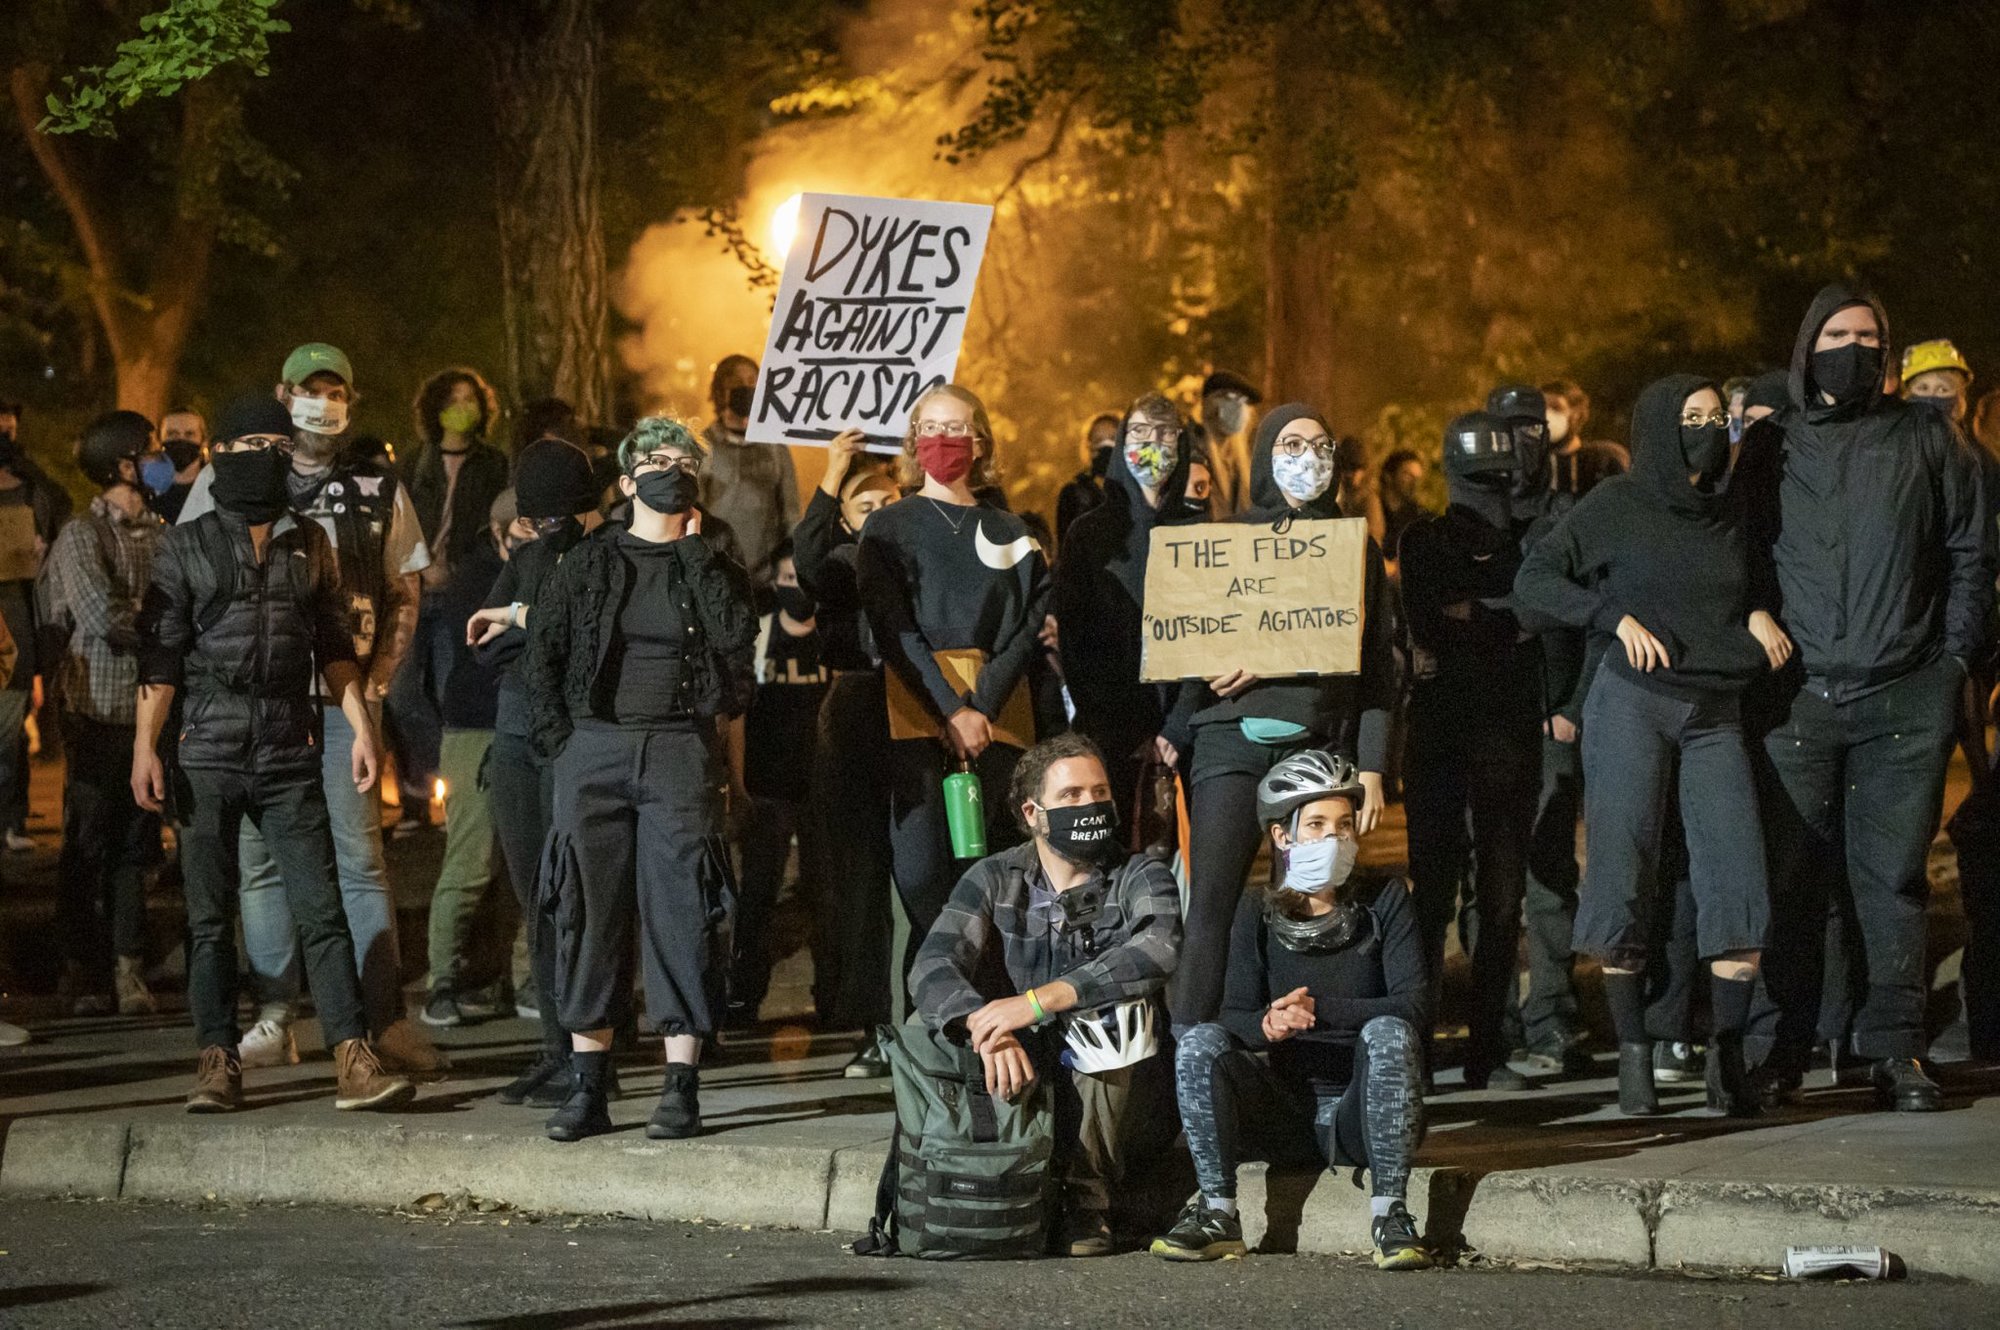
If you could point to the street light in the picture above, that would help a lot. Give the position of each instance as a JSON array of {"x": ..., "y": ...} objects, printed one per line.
[{"x": 785, "y": 226}]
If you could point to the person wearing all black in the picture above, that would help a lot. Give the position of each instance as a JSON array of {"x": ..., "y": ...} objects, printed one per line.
[
  {"x": 638, "y": 646},
  {"x": 1233, "y": 728},
  {"x": 1662, "y": 559},
  {"x": 956, "y": 594},
  {"x": 779, "y": 737},
  {"x": 1873, "y": 513},
  {"x": 850, "y": 799},
  {"x": 556, "y": 497},
  {"x": 1086, "y": 490},
  {"x": 1474, "y": 759},
  {"x": 243, "y": 612},
  {"x": 1316, "y": 1057},
  {"x": 1100, "y": 586}
]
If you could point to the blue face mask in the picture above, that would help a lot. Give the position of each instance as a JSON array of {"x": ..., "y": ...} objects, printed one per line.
[
  {"x": 1302, "y": 478},
  {"x": 156, "y": 474},
  {"x": 1315, "y": 865}
]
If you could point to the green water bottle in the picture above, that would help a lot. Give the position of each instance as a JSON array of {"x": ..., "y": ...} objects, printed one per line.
[{"x": 965, "y": 813}]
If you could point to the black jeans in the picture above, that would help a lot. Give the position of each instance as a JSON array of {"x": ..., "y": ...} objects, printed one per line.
[
  {"x": 919, "y": 838},
  {"x": 763, "y": 851},
  {"x": 1859, "y": 782},
  {"x": 101, "y": 872},
  {"x": 1554, "y": 876},
  {"x": 521, "y": 793},
  {"x": 851, "y": 807},
  {"x": 290, "y": 811},
  {"x": 1673, "y": 962},
  {"x": 1470, "y": 780},
  {"x": 636, "y": 834}
]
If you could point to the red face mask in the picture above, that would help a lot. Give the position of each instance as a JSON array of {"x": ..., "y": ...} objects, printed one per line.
[{"x": 945, "y": 458}]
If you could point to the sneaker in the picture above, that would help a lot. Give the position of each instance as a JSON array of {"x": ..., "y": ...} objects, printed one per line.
[
  {"x": 362, "y": 1083},
  {"x": 483, "y": 1004},
  {"x": 218, "y": 1082},
  {"x": 552, "y": 1066},
  {"x": 1561, "y": 1051},
  {"x": 1678, "y": 1063},
  {"x": 1900, "y": 1084},
  {"x": 406, "y": 1049},
  {"x": 1084, "y": 1233},
  {"x": 409, "y": 825},
  {"x": 869, "y": 1064},
  {"x": 269, "y": 1043},
  {"x": 679, "y": 1114},
  {"x": 442, "y": 1011},
  {"x": 13, "y": 1036},
  {"x": 1202, "y": 1233},
  {"x": 1397, "y": 1246},
  {"x": 134, "y": 998},
  {"x": 527, "y": 1008},
  {"x": 19, "y": 842}
]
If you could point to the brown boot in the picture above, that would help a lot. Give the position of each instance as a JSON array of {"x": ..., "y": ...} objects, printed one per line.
[
  {"x": 218, "y": 1082},
  {"x": 362, "y": 1082}
]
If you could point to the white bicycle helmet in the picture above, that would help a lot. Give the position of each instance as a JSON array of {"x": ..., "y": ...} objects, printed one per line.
[{"x": 1108, "y": 1038}]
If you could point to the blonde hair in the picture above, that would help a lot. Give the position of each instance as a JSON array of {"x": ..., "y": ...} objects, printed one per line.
[{"x": 985, "y": 470}]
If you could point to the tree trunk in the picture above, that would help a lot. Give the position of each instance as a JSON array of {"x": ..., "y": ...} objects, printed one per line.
[
  {"x": 1300, "y": 245},
  {"x": 545, "y": 57}
]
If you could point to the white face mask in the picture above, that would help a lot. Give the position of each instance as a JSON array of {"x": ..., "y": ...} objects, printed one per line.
[
  {"x": 1303, "y": 478},
  {"x": 319, "y": 415},
  {"x": 1314, "y": 865}
]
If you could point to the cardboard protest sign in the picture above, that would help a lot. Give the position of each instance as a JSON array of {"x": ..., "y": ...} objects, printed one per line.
[
  {"x": 1224, "y": 596},
  {"x": 870, "y": 312}
]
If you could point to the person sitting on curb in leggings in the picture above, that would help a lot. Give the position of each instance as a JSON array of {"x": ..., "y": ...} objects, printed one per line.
[
  {"x": 1317, "y": 1058},
  {"x": 1066, "y": 923},
  {"x": 640, "y": 643}
]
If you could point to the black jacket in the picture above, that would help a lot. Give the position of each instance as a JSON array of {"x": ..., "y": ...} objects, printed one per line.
[
  {"x": 244, "y": 641},
  {"x": 1100, "y": 586},
  {"x": 520, "y": 580},
  {"x": 823, "y": 552},
  {"x": 576, "y": 616},
  {"x": 1468, "y": 650},
  {"x": 481, "y": 478},
  {"x": 1874, "y": 519}
]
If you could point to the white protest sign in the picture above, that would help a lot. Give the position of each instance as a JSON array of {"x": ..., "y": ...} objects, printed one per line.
[
  {"x": 1223, "y": 596},
  {"x": 870, "y": 312}
]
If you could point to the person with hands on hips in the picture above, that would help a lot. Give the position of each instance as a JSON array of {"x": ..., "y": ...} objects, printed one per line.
[
  {"x": 1051, "y": 957},
  {"x": 1317, "y": 1055}
]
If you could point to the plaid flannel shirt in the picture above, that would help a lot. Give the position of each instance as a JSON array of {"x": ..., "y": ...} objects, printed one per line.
[{"x": 100, "y": 672}]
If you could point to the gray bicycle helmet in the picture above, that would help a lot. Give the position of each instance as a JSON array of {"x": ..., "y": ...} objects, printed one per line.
[{"x": 1306, "y": 778}]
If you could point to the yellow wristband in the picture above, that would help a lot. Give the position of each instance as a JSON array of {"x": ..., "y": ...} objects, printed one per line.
[{"x": 1035, "y": 1005}]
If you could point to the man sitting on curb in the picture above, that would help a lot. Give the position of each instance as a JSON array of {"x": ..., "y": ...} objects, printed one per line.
[
  {"x": 1066, "y": 923},
  {"x": 244, "y": 609}
]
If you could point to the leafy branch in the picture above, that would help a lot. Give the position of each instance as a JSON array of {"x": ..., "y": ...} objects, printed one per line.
[{"x": 181, "y": 44}]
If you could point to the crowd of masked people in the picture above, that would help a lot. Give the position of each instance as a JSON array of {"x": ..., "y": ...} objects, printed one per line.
[{"x": 1739, "y": 648}]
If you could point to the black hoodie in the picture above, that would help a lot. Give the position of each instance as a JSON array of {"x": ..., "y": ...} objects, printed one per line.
[
  {"x": 1348, "y": 711},
  {"x": 1873, "y": 516},
  {"x": 1100, "y": 584},
  {"x": 1651, "y": 545}
]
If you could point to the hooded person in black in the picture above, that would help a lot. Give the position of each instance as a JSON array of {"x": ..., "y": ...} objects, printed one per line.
[
  {"x": 1873, "y": 513},
  {"x": 1474, "y": 759},
  {"x": 1660, "y": 559},
  {"x": 1100, "y": 585},
  {"x": 1238, "y": 726}
]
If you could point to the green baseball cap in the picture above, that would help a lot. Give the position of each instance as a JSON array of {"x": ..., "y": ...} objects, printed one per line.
[{"x": 318, "y": 358}]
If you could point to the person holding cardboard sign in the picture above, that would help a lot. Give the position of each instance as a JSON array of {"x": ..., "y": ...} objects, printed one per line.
[
  {"x": 955, "y": 595},
  {"x": 1235, "y": 727}
]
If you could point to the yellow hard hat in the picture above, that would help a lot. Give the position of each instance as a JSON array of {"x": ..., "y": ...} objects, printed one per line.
[{"x": 1938, "y": 353}]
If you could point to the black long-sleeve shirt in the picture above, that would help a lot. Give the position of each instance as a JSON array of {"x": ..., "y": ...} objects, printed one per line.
[{"x": 824, "y": 554}]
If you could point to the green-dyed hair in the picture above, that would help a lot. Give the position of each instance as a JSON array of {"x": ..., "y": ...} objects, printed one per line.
[{"x": 654, "y": 433}]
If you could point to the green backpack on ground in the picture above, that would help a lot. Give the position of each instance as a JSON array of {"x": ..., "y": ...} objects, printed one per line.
[{"x": 968, "y": 1174}]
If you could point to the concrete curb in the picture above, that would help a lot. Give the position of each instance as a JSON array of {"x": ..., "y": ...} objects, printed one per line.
[{"x": 1530, "y": 1215}]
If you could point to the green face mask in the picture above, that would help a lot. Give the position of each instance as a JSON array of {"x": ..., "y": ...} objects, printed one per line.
[{"x": 461, "y": 418}]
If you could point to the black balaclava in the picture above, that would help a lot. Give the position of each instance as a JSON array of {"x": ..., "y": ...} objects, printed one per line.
[
  {"x": 1853, "y": 374},
  {"x": 1768, "y": 389},
  {"x": 795, "y": 601},
  {"x": 1664, "y": 452},
  {"x": 1526, "y": 412},
  {"x": 1480, "y": 466}
]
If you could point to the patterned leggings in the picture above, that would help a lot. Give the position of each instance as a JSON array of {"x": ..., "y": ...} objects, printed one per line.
[{"x": 1234, "y": 1108}]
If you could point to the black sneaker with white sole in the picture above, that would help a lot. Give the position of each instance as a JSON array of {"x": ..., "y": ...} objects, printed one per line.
[
  {"x": 1397, "y": 1246},
  {"x": 1202, "y": 1233},
  {"x": 442, "y": 1011}
]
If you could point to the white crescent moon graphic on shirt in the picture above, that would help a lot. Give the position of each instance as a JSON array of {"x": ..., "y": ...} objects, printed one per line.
[{"x": 1000, "y": 557}]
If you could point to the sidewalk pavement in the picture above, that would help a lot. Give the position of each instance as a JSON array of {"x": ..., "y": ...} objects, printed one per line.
[{"x": 94, "y": 1109}]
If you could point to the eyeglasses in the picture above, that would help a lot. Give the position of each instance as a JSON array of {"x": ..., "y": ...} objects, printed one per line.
[
  {"x": 256, "y": 443},
  {"x": 1295, "y": 447},
  {"x": 949, "y": 429},
  {"x": 1151, "y": 433},
  {"x": 1697, "y": 419},
  {"x": 667, "y": 462}
]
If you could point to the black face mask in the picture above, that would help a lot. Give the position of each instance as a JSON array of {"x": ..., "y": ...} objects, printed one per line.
[
  {"x": 1100, "y": 461},
  {"x": 741, "y": 400},
  {"x": 795, "y": 601},
  {"x": 1706, "y": 451},
  {"x": 253, "y": 486},
  {"x": 1531, "y": 446},
  {"x": 1848, "y": 373},
  {"x": 9, "y": 450},
  {"x": 183, "y": 453},
  {"x": 667, "y": 492},
  {"x": 1084, "y": 833}
]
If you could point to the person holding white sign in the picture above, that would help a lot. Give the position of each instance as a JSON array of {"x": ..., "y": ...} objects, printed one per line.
[
  {"x": 1234, "y": 728},
  {"x": 955, "y": 595}
]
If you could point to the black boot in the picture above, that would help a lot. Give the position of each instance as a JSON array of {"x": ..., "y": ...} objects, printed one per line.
[
  {"x": 679, "y": 1114},
  {"x": 1900, "y": 1084},
  {"x": 1730, "y": 1092},
  {"x": 550, "y": 1068},
  {"x": 1636, "y": 1096},
  {"x": 585, "y": 1112},
  {"x": 554, "y": 1092}
]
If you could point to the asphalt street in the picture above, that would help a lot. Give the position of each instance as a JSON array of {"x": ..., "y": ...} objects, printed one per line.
[{"x": 119, "y": 1264}]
